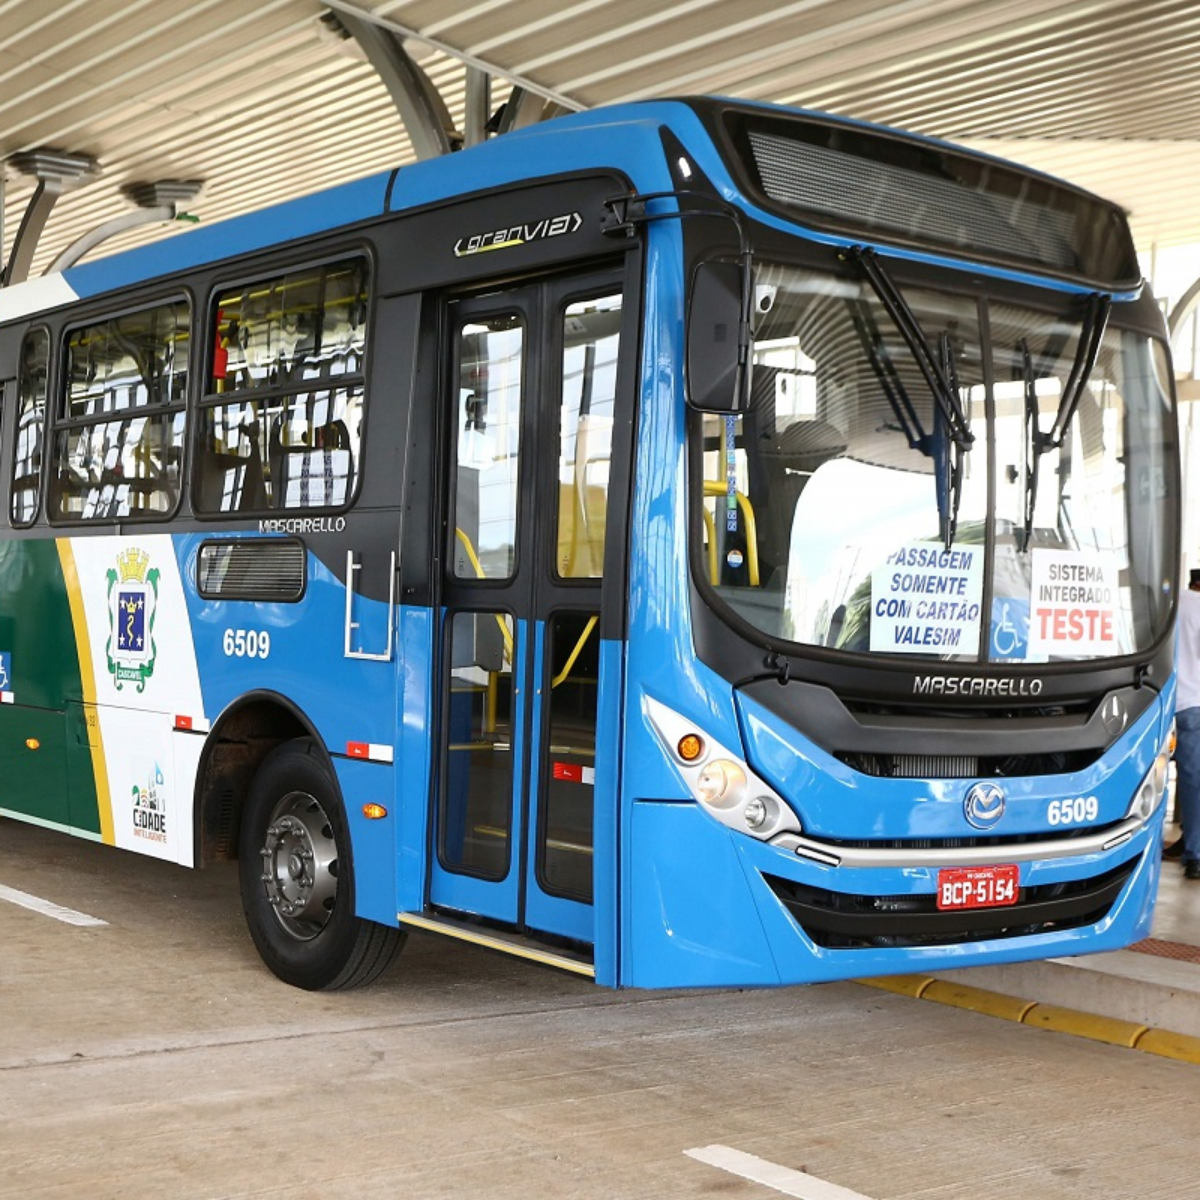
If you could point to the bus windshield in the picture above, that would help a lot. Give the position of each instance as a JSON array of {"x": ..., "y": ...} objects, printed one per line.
[{"x": 1021, "y": 515}]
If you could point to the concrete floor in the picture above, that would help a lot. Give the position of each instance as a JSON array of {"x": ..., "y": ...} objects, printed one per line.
[{"x": 155, "y": 1057}]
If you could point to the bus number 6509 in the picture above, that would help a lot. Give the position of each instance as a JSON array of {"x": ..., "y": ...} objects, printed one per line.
[{"x": 247, "y": 643}]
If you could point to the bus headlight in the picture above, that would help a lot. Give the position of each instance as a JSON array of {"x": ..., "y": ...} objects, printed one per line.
[
  {"x": 721, "y": 782},
  {"x": 760, "y": 811},
  {"x": 1153, "y": 788}
]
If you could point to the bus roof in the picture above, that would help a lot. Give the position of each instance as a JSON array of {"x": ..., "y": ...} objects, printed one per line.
[{"x": 624, "y": 137}]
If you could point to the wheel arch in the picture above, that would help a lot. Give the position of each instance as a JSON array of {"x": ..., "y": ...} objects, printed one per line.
[{"x": 240, "y": 739}]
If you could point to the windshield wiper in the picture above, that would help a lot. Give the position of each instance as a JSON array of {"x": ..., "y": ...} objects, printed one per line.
[
  {"x": 1037, "y": 442},
  {"x": 942, "y": 378},
  {"x": 1091, "y": 338},
  {"x": 1033, "y": 437},
  {"x": 896, "y": 394},
  {"x": 906, "y": 322},
  {"x": 949, "y": 486}
]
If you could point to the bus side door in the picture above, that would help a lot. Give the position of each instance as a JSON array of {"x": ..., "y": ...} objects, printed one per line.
[{"x": 535, "y": 378}]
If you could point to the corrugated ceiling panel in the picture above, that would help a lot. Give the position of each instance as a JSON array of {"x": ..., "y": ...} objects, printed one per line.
[{"x": 260, "y": 101}]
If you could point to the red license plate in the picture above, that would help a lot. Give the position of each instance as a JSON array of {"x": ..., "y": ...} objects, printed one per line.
[{"x": 978, "y": 887}]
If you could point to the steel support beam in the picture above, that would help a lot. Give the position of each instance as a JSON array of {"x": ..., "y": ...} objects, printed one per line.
[
  {"x": 90, "y": 240},
  {"x": 157, "y": 203},
  {"x": 421, "y": 107},
  {"x": 352, "y": 8},
  {"x": 1184, "y": 306},
  {"x": 520, "y": 109},
  {"x": 478, "y": 106},
  {"x": 56, "y": 172}
]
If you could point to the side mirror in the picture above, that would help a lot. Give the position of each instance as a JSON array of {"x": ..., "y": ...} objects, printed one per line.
[{"x": 718, "y": 339}]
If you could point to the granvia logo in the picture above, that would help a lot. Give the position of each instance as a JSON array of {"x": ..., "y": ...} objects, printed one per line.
[
  {"x": 974, "y": 685},
  {"x": 518, "y": 235}
]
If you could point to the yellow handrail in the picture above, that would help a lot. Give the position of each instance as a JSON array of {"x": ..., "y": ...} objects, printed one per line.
[
  {"x": 478, "y": 568},
  {"x": 714, "y": 574},
  {"x": 579, "y": 645},
  {"x": 718, "y": 487}
]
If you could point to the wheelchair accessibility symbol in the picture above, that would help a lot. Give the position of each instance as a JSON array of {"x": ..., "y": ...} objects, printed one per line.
[
  {"x": 1010, "y": 629},
  {"x": 5, "y": 672}
]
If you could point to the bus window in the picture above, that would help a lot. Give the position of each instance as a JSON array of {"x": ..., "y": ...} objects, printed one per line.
[
  {"x": 281, "y": 425},
  {"x": 489, "y": 445},
  {"x": 31, "y": 417},
  {"x": 119, "y": 439},
  {"x": 591, "y": 334}
]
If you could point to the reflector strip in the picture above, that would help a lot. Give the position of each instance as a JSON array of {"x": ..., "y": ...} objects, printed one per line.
[
  {"x": 573, "y": 773},
  {"x": 192, "y": 724},
  {"x": 372, "y": 751},
  {"x": 7, "y": 698}
]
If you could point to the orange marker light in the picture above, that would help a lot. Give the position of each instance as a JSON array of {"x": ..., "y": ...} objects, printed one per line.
[
  {"x": 690, "y": 747},
  {"x": 32, "y": 744},
  {"x": 374, "y": 812}
]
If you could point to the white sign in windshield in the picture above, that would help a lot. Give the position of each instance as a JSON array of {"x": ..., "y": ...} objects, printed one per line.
[
  {"x": 1075, "y": 603},
  {"x": 926, "y": 599}
]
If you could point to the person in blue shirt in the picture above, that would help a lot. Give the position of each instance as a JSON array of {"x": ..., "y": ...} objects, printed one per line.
[{"x": 1187, "y": 727}]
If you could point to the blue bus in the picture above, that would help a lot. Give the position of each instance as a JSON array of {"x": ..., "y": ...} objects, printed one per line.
[{"x": 689, "y": 543}]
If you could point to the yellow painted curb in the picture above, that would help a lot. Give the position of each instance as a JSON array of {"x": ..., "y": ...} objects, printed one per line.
[
  {"x": 903, "y": 985},
  {"x": 1162, "y": 1042},
  {"x": 1088, "y": 1025},
  {"x": 1170, "y": 1045},
  {"x": 993, "y": 1004}
]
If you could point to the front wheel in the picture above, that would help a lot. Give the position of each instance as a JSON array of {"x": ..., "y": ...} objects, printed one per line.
[{"x": 297, "y": 880}]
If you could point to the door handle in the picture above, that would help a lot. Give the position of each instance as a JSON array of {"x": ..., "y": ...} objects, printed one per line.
[{"x": 352, "y": 567}]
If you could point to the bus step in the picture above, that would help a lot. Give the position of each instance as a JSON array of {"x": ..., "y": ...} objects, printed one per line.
[{"x": 507, "y": 943}]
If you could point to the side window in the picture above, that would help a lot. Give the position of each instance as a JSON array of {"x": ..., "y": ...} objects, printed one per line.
[
  {"x": 119, "y": 437},
  {"x": 31, "y": 422},
  {"x": 282, "y": 417},
  {"x": 591, "y": 336}
]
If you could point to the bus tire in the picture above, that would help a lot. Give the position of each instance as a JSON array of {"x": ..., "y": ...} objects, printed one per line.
[{"x": 297, "y": 879}]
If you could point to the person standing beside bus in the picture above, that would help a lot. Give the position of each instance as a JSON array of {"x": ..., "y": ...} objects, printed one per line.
[{"x": 1187, "y": 724}]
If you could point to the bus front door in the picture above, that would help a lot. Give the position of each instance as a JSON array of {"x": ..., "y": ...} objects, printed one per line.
[{"x": 533, "y": 377}]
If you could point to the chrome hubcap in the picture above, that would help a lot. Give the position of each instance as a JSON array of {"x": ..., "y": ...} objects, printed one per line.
[{"x": 300, "y": 865}]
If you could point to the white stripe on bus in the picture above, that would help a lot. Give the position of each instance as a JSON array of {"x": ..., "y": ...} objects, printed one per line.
[
  {"x": 35, "y": 295},
  {"x": 47, "y": 907},
  {"x": 772, "y": 1175}
]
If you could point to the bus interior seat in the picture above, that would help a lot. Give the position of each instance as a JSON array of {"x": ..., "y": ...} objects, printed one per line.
[
  {"x": 234, "y": 482},
  {"x": 316, "y": 474}
]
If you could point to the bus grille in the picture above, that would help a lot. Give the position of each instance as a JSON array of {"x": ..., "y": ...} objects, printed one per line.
[
  {"x": 966, "y": 766},
  {"x": 848, "y": 921}
]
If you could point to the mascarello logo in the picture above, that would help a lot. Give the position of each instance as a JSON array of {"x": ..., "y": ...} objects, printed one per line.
[{"x": 132, "y": 601}]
